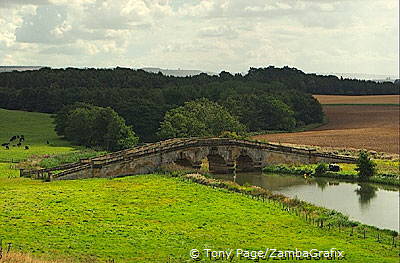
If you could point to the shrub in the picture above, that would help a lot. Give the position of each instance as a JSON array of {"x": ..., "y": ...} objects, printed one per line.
[
  {"x": 232, "y": 135},
  {"x": 365, "y": 166},
  {"x": 321, "y": 169}
]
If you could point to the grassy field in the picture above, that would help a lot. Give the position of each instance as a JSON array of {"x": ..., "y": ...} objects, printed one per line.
[
  {"x": 153, "y": 218},
  {"x": 37, "y": 128},
  {"x": 350, "y": 126}
]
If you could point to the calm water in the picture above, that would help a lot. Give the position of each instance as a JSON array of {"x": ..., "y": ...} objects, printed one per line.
[{"x": 372, "y": 204}]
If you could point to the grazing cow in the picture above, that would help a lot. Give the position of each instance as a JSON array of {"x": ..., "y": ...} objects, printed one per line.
[
  {"x": 334, "y": 168},
  {"x": 13, "y": 138},
  {"x": 19, "y": 144},
  {"x": 5, "y": 144},
  {"x": 26, "y": 147},
  {"x": 8, "y": 147},
  {"x": 21, "y": 139}
]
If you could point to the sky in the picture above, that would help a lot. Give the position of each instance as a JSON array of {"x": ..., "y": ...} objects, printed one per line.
[{"x": 212, "y": 35}]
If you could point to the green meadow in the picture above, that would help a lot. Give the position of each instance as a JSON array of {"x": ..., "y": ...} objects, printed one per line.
[
  {"x": 37, "y": 128},
  {"x": 154, "y": 218},
  {"x": 145, "y": 218}
]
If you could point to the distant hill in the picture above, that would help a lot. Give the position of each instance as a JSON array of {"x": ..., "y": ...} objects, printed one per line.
[
  {"x": 18, "y": 68},
  {"x": 177, "y": 72},
  {"x": 166, "y": 72},
  {"x": 364, "y": 76}
]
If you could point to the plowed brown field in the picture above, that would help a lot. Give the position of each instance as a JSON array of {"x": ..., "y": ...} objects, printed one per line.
[
  {"x": 376, "y": 99},
  {"x": 361, "y": 127}
]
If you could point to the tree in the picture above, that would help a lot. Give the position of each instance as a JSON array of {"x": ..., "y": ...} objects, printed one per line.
[
  {"x": 365, "y": 166},
  {"x": 198, "y": 118},
  {"x": 261, "y": 112},
  {"x": 89, "y": 125},
  {"x": 62, "y": 117}
]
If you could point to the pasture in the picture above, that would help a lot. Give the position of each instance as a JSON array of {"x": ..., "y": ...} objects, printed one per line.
[
  {"x": 154, "y": 218},
  {"x": 37, "y": 128}
]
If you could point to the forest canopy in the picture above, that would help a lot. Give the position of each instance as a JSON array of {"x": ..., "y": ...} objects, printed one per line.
[{"x": 263, "y": 99}]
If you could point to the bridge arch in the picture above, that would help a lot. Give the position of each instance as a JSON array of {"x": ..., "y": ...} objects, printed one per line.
[
  {"x": 244, "y": 163},
  {"x": 216, "y": 163},
  {"x": 184, "y": 162}
]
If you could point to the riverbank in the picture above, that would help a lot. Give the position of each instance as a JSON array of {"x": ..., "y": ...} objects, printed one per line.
[
  {"x": 314, "y": 214},
  {"x": 386, "y": 174}
]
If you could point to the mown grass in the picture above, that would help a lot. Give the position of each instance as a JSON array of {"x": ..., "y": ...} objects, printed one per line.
[
  {"x": 37, "y": 128},
  {"x": 154, "y": 218},
  {"x": 8, "y": 170}
]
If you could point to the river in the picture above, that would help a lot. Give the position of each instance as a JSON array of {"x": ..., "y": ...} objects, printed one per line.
[{"x": 371, "y": 204}]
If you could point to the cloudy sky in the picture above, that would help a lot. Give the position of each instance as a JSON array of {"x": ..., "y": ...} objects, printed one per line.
[{"x": 213, "y": 35}]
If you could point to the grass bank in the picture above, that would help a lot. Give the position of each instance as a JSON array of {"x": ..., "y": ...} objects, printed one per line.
[{"x": 388, "y": 171}]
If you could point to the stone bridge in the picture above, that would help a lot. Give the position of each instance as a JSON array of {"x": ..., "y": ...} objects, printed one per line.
[{"x": 222, "y": 155}]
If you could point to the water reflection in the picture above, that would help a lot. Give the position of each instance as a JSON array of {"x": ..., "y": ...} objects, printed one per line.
[
  {"x": 366, "y": 192},
  {"x": 371, "y": 204},
  {"x": 321, "y": 183}
]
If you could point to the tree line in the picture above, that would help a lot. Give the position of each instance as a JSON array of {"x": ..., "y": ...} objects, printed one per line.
[{"x": 264, "y": 99}]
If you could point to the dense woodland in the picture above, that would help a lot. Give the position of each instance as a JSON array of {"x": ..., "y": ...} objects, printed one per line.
[{"x": 264, "y": 99}]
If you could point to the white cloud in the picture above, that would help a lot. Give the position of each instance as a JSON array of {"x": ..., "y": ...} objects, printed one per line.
[
  {"x": 213, "y": 35},
  {"x": 14, "y": 3}
]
